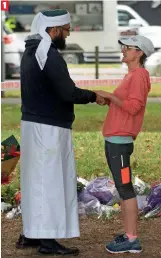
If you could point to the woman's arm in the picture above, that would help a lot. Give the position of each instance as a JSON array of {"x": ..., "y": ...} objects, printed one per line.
[{"x": 135, "y": 101}]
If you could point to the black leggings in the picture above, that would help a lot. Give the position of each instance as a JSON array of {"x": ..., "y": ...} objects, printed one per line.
[{"x": 118, "y": 159}]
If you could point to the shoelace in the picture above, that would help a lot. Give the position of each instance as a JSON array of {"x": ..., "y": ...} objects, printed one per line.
[
  {"x": 118, "y": 236},
  {"x": 120, "y": 239}
]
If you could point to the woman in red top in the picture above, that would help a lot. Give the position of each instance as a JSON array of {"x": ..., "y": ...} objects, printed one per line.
[{"x": 122, "y": 125}]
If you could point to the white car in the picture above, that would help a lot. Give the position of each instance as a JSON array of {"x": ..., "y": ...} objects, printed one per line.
[
  {"x": 13, "y": 49},
  {"x": 129, "y": 19},
  {"x": 153, "y": 64}
]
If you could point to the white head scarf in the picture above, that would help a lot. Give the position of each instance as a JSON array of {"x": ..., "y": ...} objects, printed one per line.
[{"x": 39, "y": 25}]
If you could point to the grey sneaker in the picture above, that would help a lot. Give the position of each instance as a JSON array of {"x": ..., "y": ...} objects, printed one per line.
[{"x": 121, "y": 244}]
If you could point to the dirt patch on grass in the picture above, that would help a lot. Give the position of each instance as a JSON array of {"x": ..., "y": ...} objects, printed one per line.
[{"x": 94, "y": 234}]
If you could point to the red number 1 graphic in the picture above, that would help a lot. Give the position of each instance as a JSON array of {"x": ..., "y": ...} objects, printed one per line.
[{"x": 4, "y": 5}]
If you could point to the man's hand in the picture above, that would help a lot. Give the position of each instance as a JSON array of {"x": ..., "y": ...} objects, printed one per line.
[
  {"x": 110, "y": 97},
  {"x": 100, "y": 101},
  {"x": 105, "y": 95}
]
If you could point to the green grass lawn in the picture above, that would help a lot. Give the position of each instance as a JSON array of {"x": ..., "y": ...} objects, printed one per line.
[
  {"x": 89, "y": 144},
  {"x": 155, "y": 91}
]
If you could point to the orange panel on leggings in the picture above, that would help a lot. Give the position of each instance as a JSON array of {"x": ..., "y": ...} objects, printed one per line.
[{"x": 125, "y": 175}]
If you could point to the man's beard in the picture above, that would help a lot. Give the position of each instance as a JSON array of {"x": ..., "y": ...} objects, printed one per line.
[{"x": 60, "y": 42}]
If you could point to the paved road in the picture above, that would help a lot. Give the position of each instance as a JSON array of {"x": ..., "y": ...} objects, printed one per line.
[
  {"x": 89, "y": 73},
  {"x": 18, "y": 100}
]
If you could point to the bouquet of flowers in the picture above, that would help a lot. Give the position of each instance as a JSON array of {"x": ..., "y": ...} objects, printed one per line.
[{"x": 10, "y": 154}]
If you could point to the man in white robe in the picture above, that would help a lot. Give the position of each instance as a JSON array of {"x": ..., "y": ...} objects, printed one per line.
[{"x": 48, "y": 174}]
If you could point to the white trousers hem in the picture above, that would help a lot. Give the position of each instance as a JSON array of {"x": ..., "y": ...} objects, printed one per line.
[
  {"x": 50, "y": 234},
  {"x": 49, "y": 202}
]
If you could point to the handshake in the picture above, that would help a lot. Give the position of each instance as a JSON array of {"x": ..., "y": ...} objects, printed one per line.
[{"x": 102, "y": 97}]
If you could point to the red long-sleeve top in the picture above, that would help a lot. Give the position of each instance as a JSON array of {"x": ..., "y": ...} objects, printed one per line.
[{"x": 127, "y": 120}]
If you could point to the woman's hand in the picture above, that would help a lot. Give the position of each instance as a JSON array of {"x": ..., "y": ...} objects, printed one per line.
[
  {"x": 110, "y": 97},
  {"x": 105, "y": 95}
]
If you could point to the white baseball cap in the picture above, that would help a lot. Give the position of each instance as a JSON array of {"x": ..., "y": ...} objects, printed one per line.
[{"x": 143, "y": 43}]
